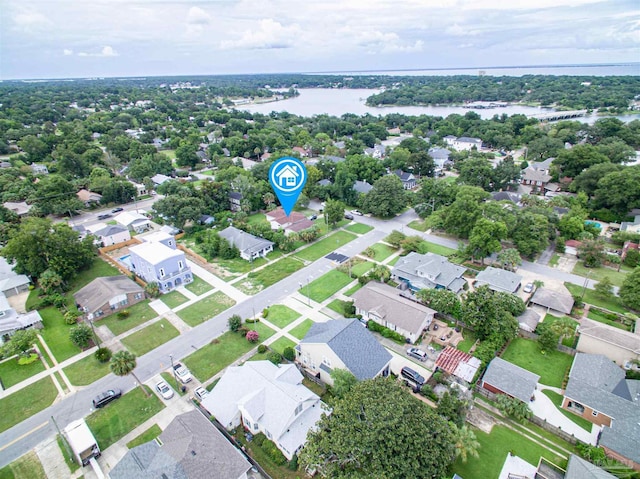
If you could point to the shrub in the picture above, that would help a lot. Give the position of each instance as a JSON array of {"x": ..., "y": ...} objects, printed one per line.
[
  {"x": 293, "y": 463},
  {"x": 71, "y": 317},
  {"x": 80, "y": 335},
  {"x": 273, "y": 452},
  {"x": 103, "y": 355},
  {"x": 265, "y": 312},
  {"x": 123, "y": 314},
  {"x": 289, "y": 353},
  {"x": 262, "y": 349},
  {"x": 252, "y": 320},
  {"x": 274, "y": 357},
  {"x": 243, "y": 331},
  {"x": 235, "y": 322},
  {"x": 24, "y": 360},
  {"x": 252, "y": 336}
]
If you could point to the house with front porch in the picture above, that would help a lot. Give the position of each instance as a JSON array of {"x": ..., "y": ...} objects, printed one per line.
[
  {"x": 106, "y": 295},
  {"x": 408, "y": 179},
  {"x": 11, "y": 321},
  {"x": 250, "y": 247},
  {"x": 428, "y": 271}
]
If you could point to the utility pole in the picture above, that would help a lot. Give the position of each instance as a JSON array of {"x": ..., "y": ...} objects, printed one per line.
[{"x": 174, "y": 372}]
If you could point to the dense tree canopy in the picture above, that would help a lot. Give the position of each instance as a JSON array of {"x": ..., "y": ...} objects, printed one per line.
[{"x": 386, "y": 198}]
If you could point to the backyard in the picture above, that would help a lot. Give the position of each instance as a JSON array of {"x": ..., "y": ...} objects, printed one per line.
[
  {"x": 325, "y": 286},
  {"x": 86, "y": 371},
  {"x": 281, "y": 315},
  {"x": 551, "y": 366},
  {"x": 26, "y": 402},
  {"x": 206, "y": 308},
  {"x": 150, "y": 337},
  {"x": 256, "y": 281},
  {"x": 139, "y": 313},
  {"x": 325, "y": 246}
]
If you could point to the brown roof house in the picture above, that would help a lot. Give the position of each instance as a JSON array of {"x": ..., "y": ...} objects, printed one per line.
[
  {"x": 456, "y": 362},
  {"x": 106, "y": 295},
  {"x": 383, "y": 304},
  {"x": 290, "y": 224}
]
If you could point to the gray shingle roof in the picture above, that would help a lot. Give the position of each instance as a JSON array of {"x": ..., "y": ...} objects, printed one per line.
[
  {"x": 609, "y": 334},
  {"x": 362, "y": 187},
  {"x": 101, "y": 290},
  {"x": 529, "y": 320},
  {"x": 556, "y": 300},
  {"x": 110, "y": 230},
  {"x": 245, "y": 242},
  {"x": 499, "y": 279},
  {"x": 511, "y": 379},
  {"x": 578, "y": 468},
  {"x": 428, "y": 271},
  {"x": 353, "y": 344}
]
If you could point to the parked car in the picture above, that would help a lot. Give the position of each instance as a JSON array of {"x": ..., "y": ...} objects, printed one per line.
[
  {"x": 528, "y": 288},
  {"x": 416, "y": 353},
  {"x": 413, "y": 376},
  {"x": 117, "y": 210},
  {"x": 201, "y": 393},
  {"x": 106, "y": 397},
  {"x": 165, "y": 391},
  {"x": 348, "y": 216},
  {"x": 184, "y": 375},
  {"x": 104, "y": 216},
  {"x": 313, "y": 217},
  {"x": 357, "y": 212}
]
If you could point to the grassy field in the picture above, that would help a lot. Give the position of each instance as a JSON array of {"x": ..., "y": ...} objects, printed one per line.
[
  {"x": 301, "y": 329},
  {"x": 382, "y": 251},
  {"x": 138, "y": 314},
  {"x": 258, "y": 280},
  {"x": 173, "y": 299},
  {"x": 551, "y": 366},
  {"x": 468, "y": 341},
  {"x": 353, "y": 289},
  {"x": 325, "y": 286},
  {"x": 326, "y": 246},
  {"x": 148, "y": 435},
  {"x": 557, "y": 402},
  {"x": 198, "y": 286},
  {"x": 596, "y": 274},
  {"x": 281, "y": 343},
  {"x": 359, "y": 228},
  {"x": 419, "y": 225},
  {"x": 56, "y": 334},
  {"x": 597, "y": 316},
  {"x": 338, "y": 306},
  {"x": 86, "y": 371},
  {"x": 589, "y": 297},
  {"x": 281, "y": 315},
  {"x": 120, "y": 417},
  {"x": 206, "y": 308},
  {"x": 149, "y": 338},
  {"x": 25, "y": 467},
  {"x": 26, "y": 402},
  {"x": 12, "y": 373},
  {"x": 217, "y": 355},
  {"x": 361, "y": 268}
]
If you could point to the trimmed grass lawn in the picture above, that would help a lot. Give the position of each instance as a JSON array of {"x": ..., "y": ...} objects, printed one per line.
[
  {"x": 221, "y": 352},
  {"x": 597, "y": 316},
  {"x": 98, "y": 269},
  {"x": 419, "y": 225},
  {"x": 26, "y": 402},
  {"x": 258, "y": 280},
  {"x": 148, "y": 435},
  {"x": 359, "y": 228},
  {"x": 149, "y": 338},
  {"x": 382, "y": 251},
  {"x": 326, "y": 246},
  {"x": 281, "y": 315},
  {"x": 206, "y": 308},
  {"x": 352, "y": 290},
  {"x": 173, "y": 299},
  {"x": 589, "y": 297},
  {"x": 138, "y": 314},
  {"x": 325, "y": 286},
  {"x": 468, "y": 341},
  {"x": 25, "y": 467},
  {"x": 439, "y": 249},
  {"x": 361, "y": 268},
  {"x": 301, "y": 329},
  {"x": 551, "y": 366},
  {"x": 493, "y": 452},
  {"x": 198, "y": 286},
  {"x": 279, "y": 344},
  {"x": 56, "y": 334},
  {"x": 557, "y": 402},
  {"x": 120, "y": 417},
  {"x": 86, "y": 371},
  {"x": 596, "y": 274},
  {"x": 12, "y": 373},
  {"x": 555, "y": 258},
  {"x": 338, "y": 306},
  {"x": 393, "y": 261}
]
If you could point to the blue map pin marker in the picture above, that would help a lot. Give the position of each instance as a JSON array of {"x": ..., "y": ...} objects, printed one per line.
[{"x": 287, "y": 176}]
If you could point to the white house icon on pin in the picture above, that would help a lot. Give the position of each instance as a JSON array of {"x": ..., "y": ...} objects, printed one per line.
[{"x": 288, "y": 176}]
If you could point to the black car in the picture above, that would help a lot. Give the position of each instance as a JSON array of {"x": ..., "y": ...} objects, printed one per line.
[
  {"x": 104, "y": 216},
  {"x": 106, "y": 397},
  {"x": 117, "y": 210},
  {"x": 313, "y": 217},
  {"x": 348, "y": 216}
]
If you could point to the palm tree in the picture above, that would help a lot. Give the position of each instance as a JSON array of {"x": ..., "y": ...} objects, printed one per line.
[
  {"x": 122, "y": 364},
  {"x": 564, "y": 327},
  {"x": 466, "y": 442}
]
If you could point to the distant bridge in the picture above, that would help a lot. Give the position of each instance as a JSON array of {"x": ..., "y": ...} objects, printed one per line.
[{"x": 559, "y": 115}]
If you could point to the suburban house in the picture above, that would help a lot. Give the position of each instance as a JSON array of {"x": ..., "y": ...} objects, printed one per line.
[
  {"x": 89, "y": 197},
  {"x": 263, "y": 397},
  {"x": 342, "y": 344},
  {"x": 408, "y": 180},
  {"x": 250, "y": 247},
  {"x": 506, "y": 196},
  {"x": 571, "y": 247},
  {"x": 362, "y": 187},
  {"x": 463, "y": 143},
  {"x": 106, "y": 295},
  {"x": 554, "y": 301},
  {"x": 21, "y": 208},
  {"x": 108, "y": 235},
  {"x": 537, "y": 174},
  {"x": 440, "y": 157},
  {"x": 134, "y": 221},
  {"x": 598, "y": 391},
  {"x": 503, "y": 377},
  {"x": 235, "y": 199},
  {"x": 141, "y": 190},
  {"x": 528, "y": 321},
  {"x": 458, "y": 363},
  {"x": 383, "y": 304},
  {"x": 11, "y": 321},
  {"x": 157, "y": 260},
  {"x": 39, "y": 169},
  {"x": 291, "y": 223},
  {"x": 498, "y": 280},
  {"x": 427, "y": 271},
  {"x": 631, "y": 226},
  {"x": 190, "y": 447},
  {"x": 159, "y": 179},
  {"x": 12, "y": 283},
  {"x": 618, "y": 345},
  {"x": 301, "y": 151},
  {"x": 378, "y": 151}
]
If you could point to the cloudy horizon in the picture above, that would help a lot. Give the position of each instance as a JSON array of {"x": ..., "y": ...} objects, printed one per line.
[{"x": 123, "y": 38}]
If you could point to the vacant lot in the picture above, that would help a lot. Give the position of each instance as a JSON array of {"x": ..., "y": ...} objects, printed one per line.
[
  {"x": 143, "y": 341},
  {"x": 198, "y": 286},
  {"x": 281, "y": 315},
  {"x": 326, "y": 285},
  {"x": 325, "y": 246},
  {"x": 138, "y": 314},
  {"x": 551, "y": 366},
  {"x": 206, "y": 308},
  {"x": 26, "y": 402},
  {"x": 258, "y": 280}
]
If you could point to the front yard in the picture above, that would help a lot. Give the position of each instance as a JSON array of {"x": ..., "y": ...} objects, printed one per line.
[
  {"x": 206, "y": 308},
  {"x": 173, "y": 299},
  {"x": 198, "y": 286},
  {"x": 281, "y": 315},
  {"x": 26, "y": 402},
  {"x": 86, "y": 371},
  {"x": 382, "y": 251},
  {"x": 325, "y": 246},
  {"x": 359, "y": 228},
  {"x": 280, "y": 344},
  {"x": 256, "y": 281},
  {"x": 325, "y": 286},
  {"x": 551, "y": 366},
  {"x": 56, "y": 334},
  {"x": 12, "y": 373},
  {"x": 139, "y": 314},
  {"x": 301, "y": 329},
  {"x": 150, "y": 337}
]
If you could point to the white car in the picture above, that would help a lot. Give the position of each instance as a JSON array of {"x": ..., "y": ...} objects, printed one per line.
[
  {"x": 528, "y": 288},
  {"x": 416, "y": 353},
  {"x": 357, "y": 212},
  {"x": 201, "y": 393},
  {"x": 182, "y": 373},
  {"x": 165, "y": 391}
]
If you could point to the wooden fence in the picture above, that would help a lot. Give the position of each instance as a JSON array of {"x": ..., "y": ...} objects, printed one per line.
[{"x": 129, "y": 242}]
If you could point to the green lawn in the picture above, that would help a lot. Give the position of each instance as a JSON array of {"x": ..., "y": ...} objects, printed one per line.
[
  {"x": 173, "y": 299},
  {"x": 239, "y": 265},
  {"x": 596, "y": 274},
  {"x": 279, "y": 344},
  {"x": 138, "y": 314},
  {"x": 198, "y": 286},
  {"x": 551, "y": 366},
  {"x": 26, "y": 402},
  {"x": 557, "y": 402},
  {"x": 361, "y": 268},
  {"x": 206, "y": 308},
  {"x": 25, "y": 467},
  {"x": 122, "y": 416},
  {"x": 493, "y": 452},
  {"x": 338, "y": 306},
  {"x": 589, "y": 297},
  {"x": 98, "y": 269},
  {"x": 258, "y": 280},
  {"x": 12, "y": 373},
  {"x": 281, "y": 315},
  {"x": 419, "y": 225},
  {"x": 69, "y": 459},
  {"x": 468, "y": 341},
  {"x": 325, "y": 286},
  {"x": 439, "y": 249},
  {"x": 353, "y": 289},
  {"x": 555, "y": 258},
  {"x": 597, "y": 316},
  {"x": 148, "y": 435},
  {"x": 56, "y": 334},
  {"x": 86, "y": 371},
  {"x": 149, "y": 338},
  {"x": 217, "y": 355},
  {"x": 301, "y": 329},
  {"x": 382, "y": 251},
  {"x": 326, "y": 246},
  {"x": 359, "y": 228}
]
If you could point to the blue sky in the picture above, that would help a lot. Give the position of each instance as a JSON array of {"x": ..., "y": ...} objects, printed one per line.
[{"x": 82, "y": 38}]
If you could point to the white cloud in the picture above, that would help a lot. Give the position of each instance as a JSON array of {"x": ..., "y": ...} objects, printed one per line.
[
  {"x": 106, "y": 51},
  {"x": 30, "y": 21},
  {"x": 197, "y": 16},
  {"x": 269, "y": 34},
  {"x": 67, "y": 52}
]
